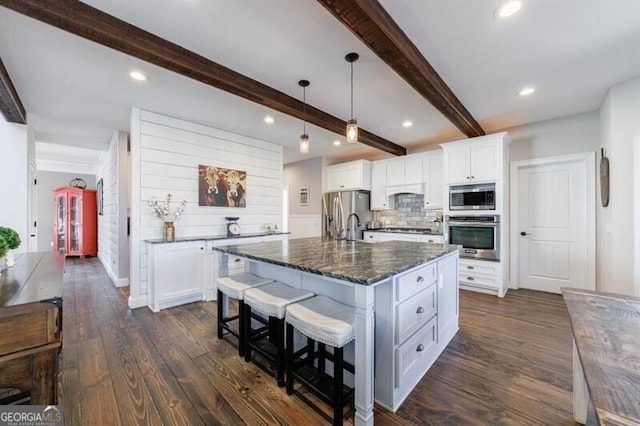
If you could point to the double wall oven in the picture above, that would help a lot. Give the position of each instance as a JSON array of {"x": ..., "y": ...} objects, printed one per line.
[{"x": 478, "y": 236}]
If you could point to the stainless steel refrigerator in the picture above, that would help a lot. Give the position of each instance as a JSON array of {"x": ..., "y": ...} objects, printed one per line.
[{"x": 341, "y": 209}]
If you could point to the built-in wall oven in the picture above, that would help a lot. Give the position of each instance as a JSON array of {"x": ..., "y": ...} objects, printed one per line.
[{"x": 478, "y": 236}]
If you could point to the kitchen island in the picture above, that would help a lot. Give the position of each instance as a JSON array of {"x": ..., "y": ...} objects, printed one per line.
[{"x": 405, "y": 295}]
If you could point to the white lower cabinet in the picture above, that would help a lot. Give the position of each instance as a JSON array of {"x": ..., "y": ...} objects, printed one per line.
[
  {"x": 403, "y": 236},
  {"x": 177, "y": 273},
  {"x": 416, "y": 317},
  {"x": 481, "y": 275}
]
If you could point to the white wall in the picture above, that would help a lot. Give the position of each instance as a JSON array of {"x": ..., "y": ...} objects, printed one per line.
[
  {"x": 165, "y": 154},
  {"x": 47, "y": 182},
  {"x": 620, "y": 122},
  {"x": 113, "y": 245},
  {"x": 304, "y": 221},
  {"x": 567, "y": 135},
  {"x": 13, "y": 179}
]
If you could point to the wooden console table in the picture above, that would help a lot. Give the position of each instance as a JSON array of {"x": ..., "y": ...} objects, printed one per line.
[
  {"x": 31, "y": 329},
  {"x": 606, "y": 356}
]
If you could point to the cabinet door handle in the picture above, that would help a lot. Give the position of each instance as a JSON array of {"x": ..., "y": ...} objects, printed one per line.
[
  {"x": 420, "y": 279},
  {"x": 420, "y": 310},
  {"x": 470, "y": 278},
  {"x": 470, "y": 267},
  {"x": 201, "y": 248},
  {"x": 473, "y": 177},
  {"x": 420, "y": 348}
]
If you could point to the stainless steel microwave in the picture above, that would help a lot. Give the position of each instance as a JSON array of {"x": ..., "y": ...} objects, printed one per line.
[{"x": 472, "y": 197}]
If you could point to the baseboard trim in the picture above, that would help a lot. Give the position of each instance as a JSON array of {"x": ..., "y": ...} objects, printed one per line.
[
  {"x": 137, "y": 302},
  {"x": 117, "y": 282}
]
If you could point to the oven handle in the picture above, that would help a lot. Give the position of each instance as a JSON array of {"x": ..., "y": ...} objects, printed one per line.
[{"x": 474, "y": 224}]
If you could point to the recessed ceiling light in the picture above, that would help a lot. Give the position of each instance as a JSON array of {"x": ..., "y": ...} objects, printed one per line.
[
  {"x": 509, "y": 8},
  {"x": 526, "y": 91},
  {"x": 407, "y": 123},
  {"x": 337, "y": 143},
  {"x": 269, "y": 119},
  {"x": 137, "y": 75}
]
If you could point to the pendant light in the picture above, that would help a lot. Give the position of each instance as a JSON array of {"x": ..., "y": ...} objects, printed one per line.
[
  {"x": 304, "y": 137},
  {"x": 352, "y": 124}
]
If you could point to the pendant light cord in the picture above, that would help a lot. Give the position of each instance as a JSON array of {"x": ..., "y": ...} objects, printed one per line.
[
  {"x": 304, "y": 110},
  {"x": 352, "y": 90}
]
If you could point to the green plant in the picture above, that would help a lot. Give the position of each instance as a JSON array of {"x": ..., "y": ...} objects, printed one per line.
[
  {"x": 11, "y": 237},
  {"x": 4, "y": 247}
]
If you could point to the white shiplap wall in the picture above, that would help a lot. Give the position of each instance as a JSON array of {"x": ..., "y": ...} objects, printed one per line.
[
  {"x": 165, "y": 154},
  {"x": 112, "y": 239}
]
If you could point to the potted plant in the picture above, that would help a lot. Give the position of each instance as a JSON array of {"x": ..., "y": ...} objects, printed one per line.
[
  {"x": 12, "y": 238},
  {"x": 4, "y": 248}
]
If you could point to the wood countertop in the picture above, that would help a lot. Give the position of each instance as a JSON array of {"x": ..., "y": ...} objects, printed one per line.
[
  {"x": 606, "y": 329},
  {"x": 35, "y": 277}
]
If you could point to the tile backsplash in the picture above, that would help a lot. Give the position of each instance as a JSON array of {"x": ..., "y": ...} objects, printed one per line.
[{"x": 409, "y": 212}]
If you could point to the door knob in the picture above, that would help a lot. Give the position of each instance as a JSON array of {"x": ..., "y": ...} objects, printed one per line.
[{"x": 523, "y": 233}]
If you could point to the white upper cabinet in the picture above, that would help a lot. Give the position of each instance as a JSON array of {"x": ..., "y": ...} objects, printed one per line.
[
  {"x": 474, "y": 160},
  {"x": 405, "y": 170},
  {"x": 432, "y": 171},
  {"x": 349, "y": 176},
  {"x": 379, "y": 199}
]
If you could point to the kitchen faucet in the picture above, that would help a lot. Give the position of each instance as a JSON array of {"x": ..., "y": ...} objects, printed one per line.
[{"x": 351, "y": 229}]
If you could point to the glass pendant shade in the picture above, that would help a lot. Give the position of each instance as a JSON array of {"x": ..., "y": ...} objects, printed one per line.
[
  {"x": 352, "y": 131},
  {"x": 304, "y": 144}
]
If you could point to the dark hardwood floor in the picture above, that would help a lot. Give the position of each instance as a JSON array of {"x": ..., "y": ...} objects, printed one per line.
[{"x": 510, "y": 364}]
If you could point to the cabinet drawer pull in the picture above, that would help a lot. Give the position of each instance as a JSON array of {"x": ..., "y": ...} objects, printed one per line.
[
  {"x": 470, "y": 278},
  {"x": 419, "y": 279},
  {"x": 201, "y": 248},
  {"x": 470, "y": 267},
  {"x": 420, "y": 310},
  {"x": 420, "y": 348}
]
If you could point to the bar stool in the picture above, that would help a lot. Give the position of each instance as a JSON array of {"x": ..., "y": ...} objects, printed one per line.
[
  {"x": 326, "y": 322},
  {"x": 270, "y": 300},
  {"x": 234, "y": 287}
]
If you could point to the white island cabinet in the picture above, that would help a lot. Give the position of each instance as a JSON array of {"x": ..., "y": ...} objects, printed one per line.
[
  {"x": 406, "y": 307},
  {"x": 416, "y": 317}
]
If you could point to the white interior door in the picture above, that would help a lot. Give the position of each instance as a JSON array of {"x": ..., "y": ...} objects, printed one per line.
[{"x": 555, "y": 225}]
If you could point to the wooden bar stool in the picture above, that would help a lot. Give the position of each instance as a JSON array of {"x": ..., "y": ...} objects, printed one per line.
[
  {"x": 234, "y": 287},
  {"x": 271, "y": 300},
  {"x": 326, "y": 322}
]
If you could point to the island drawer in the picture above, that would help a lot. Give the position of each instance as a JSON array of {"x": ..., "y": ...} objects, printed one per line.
[
  {"x": 415, "y": 280},
  {"x": 414, "y": 312},
  {"x": 415, "y": 354},
  {"x": 236, "y": 264}
]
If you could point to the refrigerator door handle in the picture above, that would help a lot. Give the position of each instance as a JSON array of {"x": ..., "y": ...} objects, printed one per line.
[{"x": 339, "y": 215}]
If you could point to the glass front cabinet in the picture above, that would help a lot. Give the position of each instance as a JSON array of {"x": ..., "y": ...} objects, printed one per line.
[{"x": 75, "y": 221}]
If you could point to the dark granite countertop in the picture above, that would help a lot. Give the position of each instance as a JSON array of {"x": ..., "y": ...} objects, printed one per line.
[
  {"x": 213, "y": 237},
  {"x": 405, "y": 230},
  {"x": 355, "y": 261}
]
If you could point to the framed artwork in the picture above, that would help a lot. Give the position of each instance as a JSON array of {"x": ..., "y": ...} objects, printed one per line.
[
  {"x": 99, "y": 195},
  {"x": 304, "y": 196},
  {"x": 219, "y": 187}
]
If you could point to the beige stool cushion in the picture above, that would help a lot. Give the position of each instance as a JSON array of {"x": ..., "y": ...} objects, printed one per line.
[
  {"x": 324, "y": 320},
  {"x": 235, "y": 285},
  {"x": 272, "y": 299}
]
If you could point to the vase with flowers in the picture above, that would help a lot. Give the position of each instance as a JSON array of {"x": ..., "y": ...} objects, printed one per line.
[{"x": 162, "y": 210}]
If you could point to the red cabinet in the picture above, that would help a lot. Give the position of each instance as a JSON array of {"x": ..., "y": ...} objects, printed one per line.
[{"x": 75, "y": 221}]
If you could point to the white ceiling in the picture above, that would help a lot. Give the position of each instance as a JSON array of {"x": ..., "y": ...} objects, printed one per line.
[{"x": 77, "y": 92}]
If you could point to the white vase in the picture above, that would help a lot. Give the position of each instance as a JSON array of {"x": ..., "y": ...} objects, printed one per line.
[
  {"x": 11, "y": 259},
  {"x": 3, "y": 263}
]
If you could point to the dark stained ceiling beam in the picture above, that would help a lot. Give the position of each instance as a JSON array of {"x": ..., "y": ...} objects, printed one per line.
[
  {"x": 10, "y": 104},
  {"x": 371, "y": 23},
  {"x": 85, "y": 21}
]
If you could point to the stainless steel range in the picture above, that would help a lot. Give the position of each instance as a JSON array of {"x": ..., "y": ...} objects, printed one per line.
[{"x": 478, "y": 236}]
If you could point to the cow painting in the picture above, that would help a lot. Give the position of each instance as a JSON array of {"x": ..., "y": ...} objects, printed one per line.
[{"x": 221, "y": 187}]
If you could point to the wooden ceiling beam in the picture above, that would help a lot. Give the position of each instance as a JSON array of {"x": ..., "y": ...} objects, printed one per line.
[
  {"x": 88, "y": 22},
  {"x": 10, "y": 104},
  {"x": 371, "y": 23}
]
